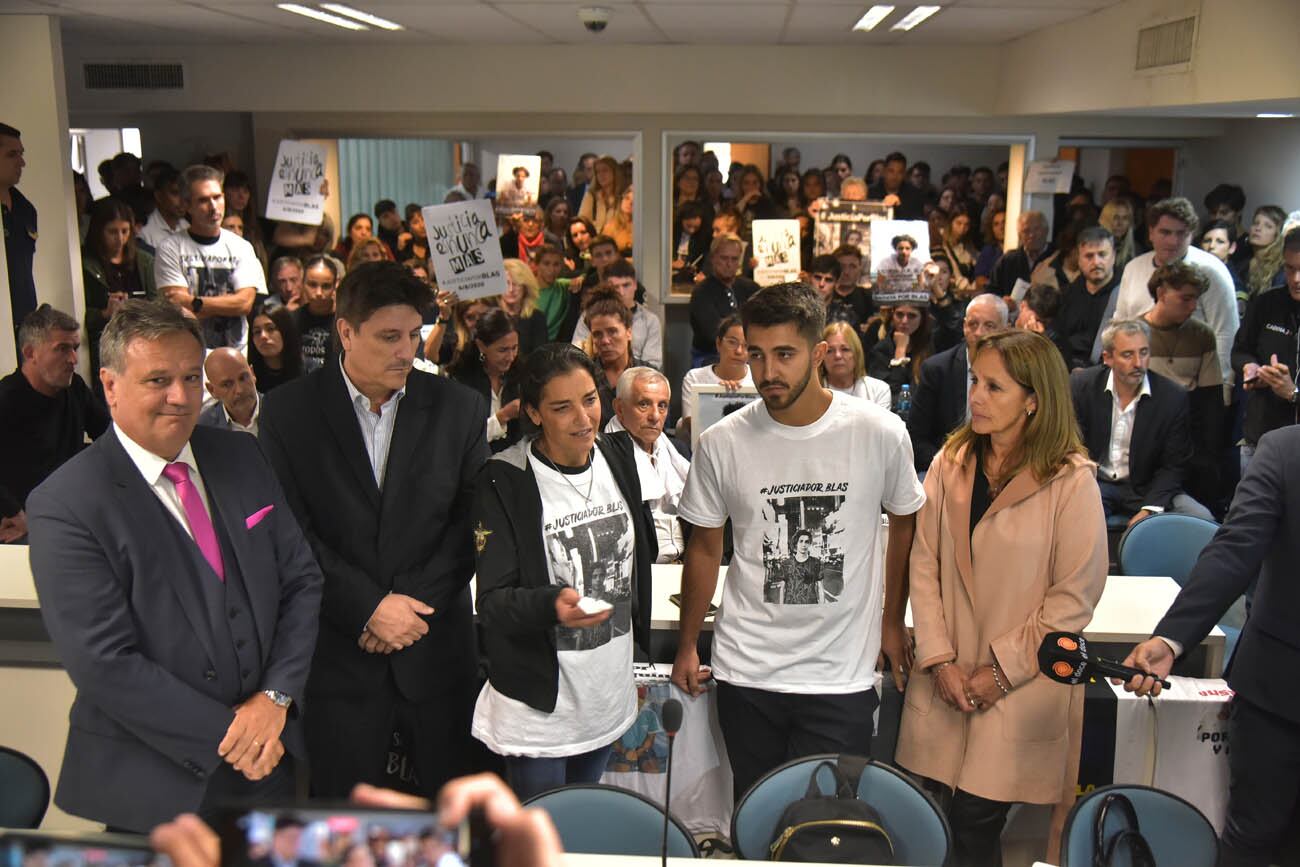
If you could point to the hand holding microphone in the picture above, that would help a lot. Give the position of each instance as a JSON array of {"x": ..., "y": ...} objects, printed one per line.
[{"x": 1064, "y": 657}]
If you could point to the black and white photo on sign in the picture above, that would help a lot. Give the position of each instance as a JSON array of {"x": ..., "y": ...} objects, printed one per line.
[
  {"x": 591, "y": 551},
  {"x": 518, "y": 182},
  {"x": 838, "y": 223},
  {"x": 465, "y": 249},
  {"x": 713, "y": 403},
  {"x": 804, "y": 535},
  {"x": 776, "y": 251},
  {"x": 899, "y": 251},
  {"x": 297, "y": 190}
]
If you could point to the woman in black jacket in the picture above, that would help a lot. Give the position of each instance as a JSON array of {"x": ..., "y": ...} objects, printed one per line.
[
  {"x": 565, "y": 544},
  {"x": 490, "y": 367}
]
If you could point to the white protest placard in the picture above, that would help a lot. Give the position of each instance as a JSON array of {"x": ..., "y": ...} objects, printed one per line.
[
  {"x": 776, "y": 247},
  {"x": 295, "y": 195},
  {"x": 519, "y": 178},
  {"x": 883, "y": 233},
  {"x": 465, "y": 249},
  {"x": 713, "y": 403},
  {"x": 1049, "y": 176},
  {"x": 838, "y": 222}
]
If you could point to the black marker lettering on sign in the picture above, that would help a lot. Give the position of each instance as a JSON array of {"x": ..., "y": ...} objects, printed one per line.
[
  {"x": 461, "y": 238},
  {"x": 299, "y": 174}
]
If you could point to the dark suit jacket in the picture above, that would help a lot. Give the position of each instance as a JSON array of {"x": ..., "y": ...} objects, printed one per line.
[
  {"x": 938, "y": 403},
  {"x": 413, "y": 538},
  {"x": 1261, "y": 537},
  {"x": 1161, "y": 446},
  {"x": 215, "y": 415},
  {"x": 132, "y": 627}
]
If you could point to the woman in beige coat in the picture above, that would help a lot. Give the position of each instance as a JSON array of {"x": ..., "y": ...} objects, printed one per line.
[{"x": 1010, "y": 545}]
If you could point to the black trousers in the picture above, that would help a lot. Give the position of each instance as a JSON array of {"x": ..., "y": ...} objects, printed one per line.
[
  {"x": 1263, "y": 785},
  {"x": 765, "y": 729},
  {"x": 976, "y": 824},
  {"x": 350, "y": 740}
]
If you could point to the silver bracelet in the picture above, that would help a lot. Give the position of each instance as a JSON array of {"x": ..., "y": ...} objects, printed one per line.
[{"x": 997, "y": 678}]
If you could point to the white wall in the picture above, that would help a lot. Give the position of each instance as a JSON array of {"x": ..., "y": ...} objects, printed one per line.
[{"x": 1262, "y": 156}]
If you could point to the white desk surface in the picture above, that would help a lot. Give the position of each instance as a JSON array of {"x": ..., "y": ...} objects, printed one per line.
[
  {"x": 1129, "y": 609},
  {"x": 17, "y": 590}
]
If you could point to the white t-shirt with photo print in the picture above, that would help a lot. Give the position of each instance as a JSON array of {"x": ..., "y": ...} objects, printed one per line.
[
  {"x": 208, "y": 269},
  {"x": 590, "y": 546},
  {"x": 802, "y": 603}
]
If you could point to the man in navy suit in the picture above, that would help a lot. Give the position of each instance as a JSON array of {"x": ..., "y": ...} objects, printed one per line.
[
  {"x": 179, "y": 591},
  {"x": 1260, "y": 538},
  {"x": 378, "y": 460},
  {"x": 939, "y": 403}
]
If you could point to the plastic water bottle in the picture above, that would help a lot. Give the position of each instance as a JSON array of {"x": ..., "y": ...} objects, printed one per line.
[{"x": 903, "y": 407}]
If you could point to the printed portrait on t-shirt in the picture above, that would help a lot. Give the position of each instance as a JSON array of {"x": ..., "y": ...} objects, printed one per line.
[
  {"x": 803, "y": 546},
  {"x": 212, "y": 282},
  {"x": 591, "y": 551}
]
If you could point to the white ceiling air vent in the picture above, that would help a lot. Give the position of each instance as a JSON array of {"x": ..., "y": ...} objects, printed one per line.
[
  {"x": 1165, "y": 45},
  {"x": 134, "y": 76}
]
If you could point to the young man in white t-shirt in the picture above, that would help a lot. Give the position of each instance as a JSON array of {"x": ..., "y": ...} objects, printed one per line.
[
  {"x": 208, "y": 270},
  {"x": 803, "y": 476}
]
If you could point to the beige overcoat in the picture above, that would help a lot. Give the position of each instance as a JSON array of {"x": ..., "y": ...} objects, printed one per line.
[{"x": 1036, "y": 563}]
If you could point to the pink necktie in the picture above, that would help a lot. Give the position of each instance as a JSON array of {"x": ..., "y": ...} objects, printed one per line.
[{"x": 197, "y": 516}]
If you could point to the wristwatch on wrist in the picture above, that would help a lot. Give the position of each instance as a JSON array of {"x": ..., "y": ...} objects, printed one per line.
[
  {"x": 279, "y": 699},
  {"x": 1295, "y": 394},
  {"x": 197, "y": 304}
]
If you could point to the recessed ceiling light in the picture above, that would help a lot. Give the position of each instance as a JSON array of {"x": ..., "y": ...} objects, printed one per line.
[
  {"x": 873, "y": 16},
  {"x": 1273, "y": 114},
  {"x": 316, "y": 14},
  {"x": 915, "y": 17},
  {"x": 363, "y": 17}
]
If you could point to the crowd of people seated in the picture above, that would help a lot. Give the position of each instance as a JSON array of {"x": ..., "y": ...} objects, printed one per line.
[{"x": 1147, "y": 354}]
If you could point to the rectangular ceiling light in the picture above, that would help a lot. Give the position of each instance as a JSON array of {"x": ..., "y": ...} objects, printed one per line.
[
  {"x": 1273, "y": 114},
  {"x": 317, "y": 15},
  {"x": 363, "y": 17},
  {"x": 873, "y": 16},
  {"x": 915, "y": 17}
]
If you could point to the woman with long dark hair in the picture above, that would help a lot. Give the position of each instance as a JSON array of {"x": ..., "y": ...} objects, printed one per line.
[
  {"x": 565, "y": 542},
  {"x": 603, "y": 192},
  {"x": 898, "y": 357},
  {"x": 113, "y": 269},
  {"x": 274, "y": 347},
  {"x": 491, "y": 369}
]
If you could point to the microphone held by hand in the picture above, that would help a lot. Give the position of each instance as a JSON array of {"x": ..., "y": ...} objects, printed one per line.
[{"x": 1064, "y": 657}]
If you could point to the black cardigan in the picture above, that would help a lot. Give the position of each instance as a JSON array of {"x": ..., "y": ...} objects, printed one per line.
[{"x": 516, "y": 599}]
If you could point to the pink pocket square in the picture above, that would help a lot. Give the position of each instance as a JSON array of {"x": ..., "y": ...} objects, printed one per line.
[{"x": 256, "y": 518}]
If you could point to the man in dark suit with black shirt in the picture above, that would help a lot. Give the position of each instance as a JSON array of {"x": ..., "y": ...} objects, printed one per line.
[
  {"x": 1135, "y": 425},
  {"x": 378, "y": 461},
  {"x": 717, "y": 297},
  {"x": 179, "y": 592},
  {"x": 939, "y": 404},
  {"x": 47, "y": 411},
  {"x": 907, "y": 201},
  {"x": 1260, "y": 539}
]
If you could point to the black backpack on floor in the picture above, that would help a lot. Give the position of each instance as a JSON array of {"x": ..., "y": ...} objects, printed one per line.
[
  {"x": 833, "y": 829},
  {"x": 1106, "y": 849}
]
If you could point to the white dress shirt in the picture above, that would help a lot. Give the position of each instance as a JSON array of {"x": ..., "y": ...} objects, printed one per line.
[
  {"x": 1115, "y": 467},
  {"x": 156, "y": 230},
  {"x": 662, "y": 473},
  {"x": 252, "y": 423},
  {"x": 151, "y": 467},
  {"x": 376, "y": 429}
]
